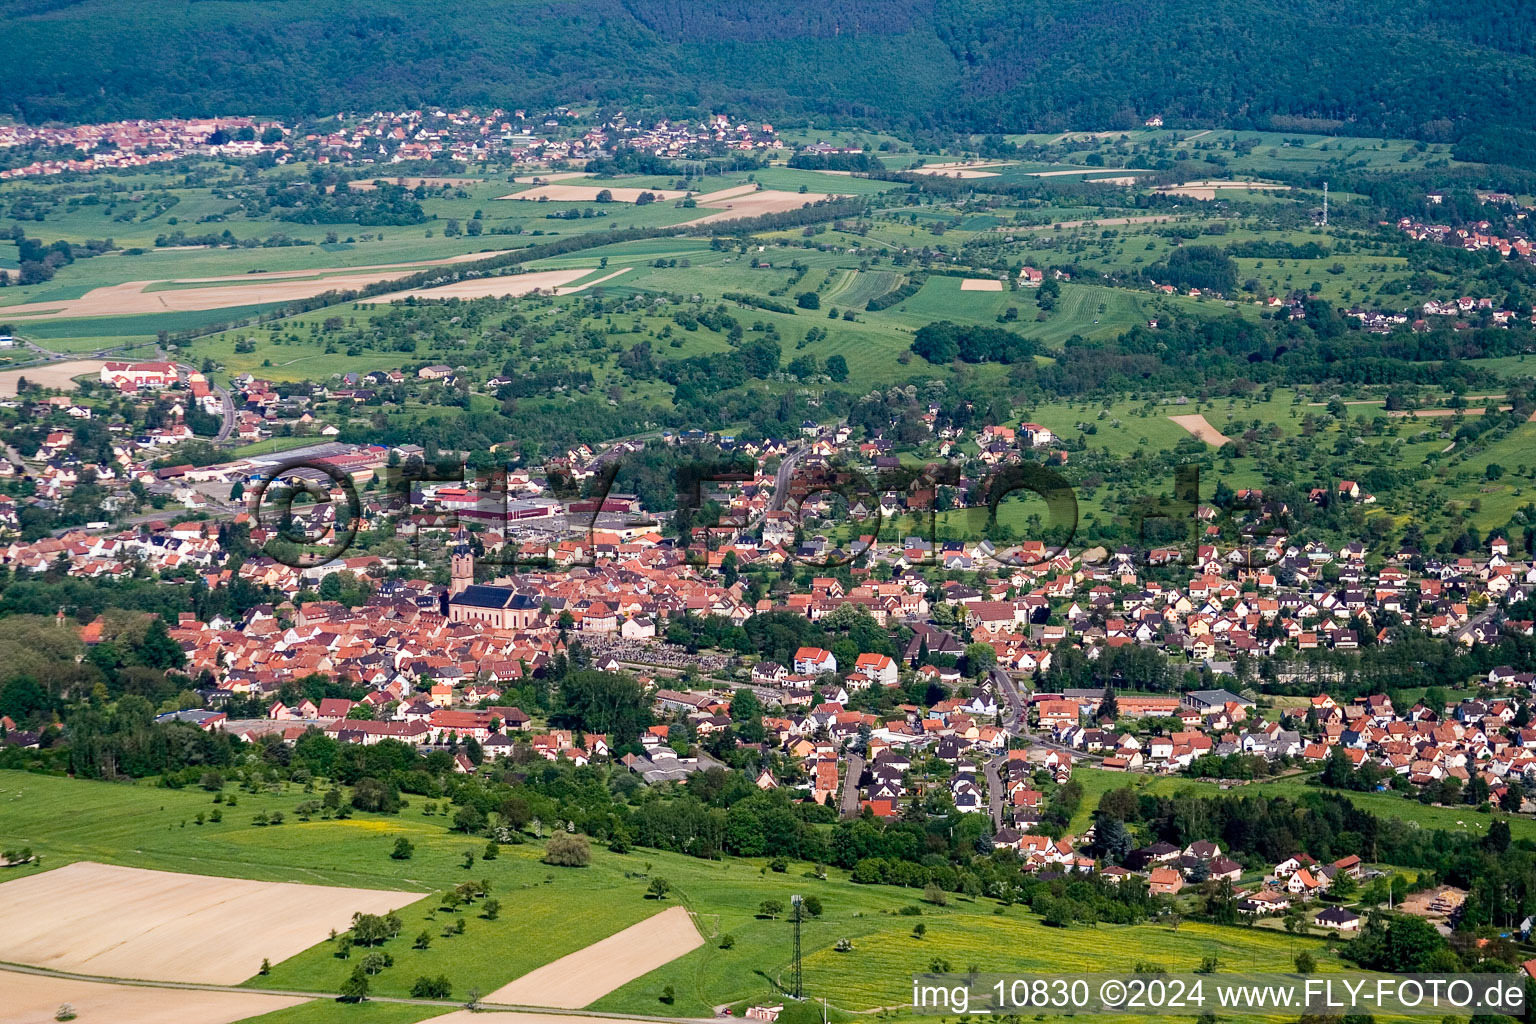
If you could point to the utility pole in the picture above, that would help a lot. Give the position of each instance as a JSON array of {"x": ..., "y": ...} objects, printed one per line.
[
  {"x": 1325, "y": 204},
  {"x": 797, "y": 902}
]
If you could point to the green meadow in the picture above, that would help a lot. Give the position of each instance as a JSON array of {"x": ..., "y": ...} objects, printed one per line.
[{"x": 546, "y": 912}]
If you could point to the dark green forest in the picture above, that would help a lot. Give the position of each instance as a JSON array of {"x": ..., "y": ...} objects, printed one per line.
[{"x": 1404, "y": 67}]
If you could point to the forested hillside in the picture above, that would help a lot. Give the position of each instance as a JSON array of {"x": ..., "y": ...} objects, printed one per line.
[{"x": 1403, "y": 67}]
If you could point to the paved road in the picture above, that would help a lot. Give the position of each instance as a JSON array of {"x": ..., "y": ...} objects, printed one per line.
[
  {"x": 851, "y": 786},
  {"x": 781, "y": 478},
  {"x": 227, "y": 412},
  {"x": 995, "y": 788},
  {"x": 1016, "y": 722}
]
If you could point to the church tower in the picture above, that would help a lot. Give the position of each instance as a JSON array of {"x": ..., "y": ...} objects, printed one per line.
[{"x": 462, "y": 568}]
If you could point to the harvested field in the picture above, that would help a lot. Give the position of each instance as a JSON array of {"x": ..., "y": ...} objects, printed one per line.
[
  {"x": 587, "y": 975},
  {"x": 33, "y": 999},
  {"x": 981, "y": 284},
  {"x": 588, "y": 194},
  {"x": 1208, "y": 189},
  {"x": 1197, "y": 425},
  {"x": 162, "y": 926},
  {"x": 746, "y": 201},
  {"x": 195, "y": 293},
  {"x": 51, "y": 375},
  {"x": 729, "y": 203},
  {"x": 506, "y": 286},
  {"x": 713, "y": 198}
]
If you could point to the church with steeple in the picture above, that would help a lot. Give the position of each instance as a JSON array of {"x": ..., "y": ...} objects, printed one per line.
[{"x": 493, "y": 606}]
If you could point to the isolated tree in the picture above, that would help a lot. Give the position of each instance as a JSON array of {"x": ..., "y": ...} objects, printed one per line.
[
  {"x": 1109, "y": 707},
  {"x": 1112, "y": 838},
  {"x": 403, "y": 849},
  {"x": 355, "y": 988},
  {"x": 568, "y": 850},
  {"x": 659, "y": 888},
  {"x": 469, "y": 818},
  {"x": 375, "y": 963},
  {"x": 770, "y": 909}
]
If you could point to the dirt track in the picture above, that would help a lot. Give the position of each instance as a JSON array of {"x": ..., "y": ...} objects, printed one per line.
[
  {"x": 1197, "y": 425},
  {"x": 33, "y": 999},
  {"x": 162, "y": 926},
  {"x": 587, "y": 975},
  {"x": 574, "y": 288},
  {"x": 133, "y": 297}
]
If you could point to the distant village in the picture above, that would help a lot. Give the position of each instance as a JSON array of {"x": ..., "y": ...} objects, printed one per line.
[
  {"x": 382, "y": 137},
  {"x": 439, "y": 657},
  {"x": 613, "y": 577}
]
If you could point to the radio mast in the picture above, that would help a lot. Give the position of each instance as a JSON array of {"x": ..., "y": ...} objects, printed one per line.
[
  {"x": 796, "y": 902},
  {"x": 1325, "y": 204}
]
